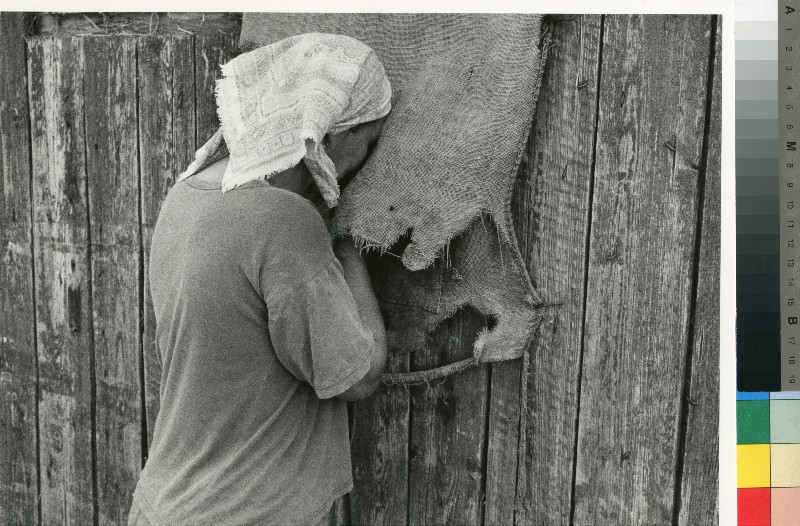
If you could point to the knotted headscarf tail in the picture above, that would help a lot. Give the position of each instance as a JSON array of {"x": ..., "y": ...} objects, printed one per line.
[{"x": 276, "y": 104}]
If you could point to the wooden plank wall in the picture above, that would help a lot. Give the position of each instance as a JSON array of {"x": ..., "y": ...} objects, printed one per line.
[
  {"x": 649, "y": 147},
  {"x": 611, "y": 418},
  {"x": 701, "y": 394},
  {"x": 19, "y": 375},
  {"x": 553, "y": 204},
  {"x": 112, "y": 120}
]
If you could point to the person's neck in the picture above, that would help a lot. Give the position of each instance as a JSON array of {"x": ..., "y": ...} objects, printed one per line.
[{"x": 296, "y": 179}]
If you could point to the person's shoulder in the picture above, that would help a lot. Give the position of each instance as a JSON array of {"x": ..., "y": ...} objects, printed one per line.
[
  {"x": 291, "y": 237},
  {"x": 289, "y": 208}
]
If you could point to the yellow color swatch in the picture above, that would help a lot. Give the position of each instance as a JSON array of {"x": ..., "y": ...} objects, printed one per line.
[
  {"x": 752, "y": 465},
  {"x": 785, "y": 465}
]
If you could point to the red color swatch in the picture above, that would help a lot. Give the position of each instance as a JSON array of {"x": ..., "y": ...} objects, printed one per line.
[{"x": 753, "y": 504}]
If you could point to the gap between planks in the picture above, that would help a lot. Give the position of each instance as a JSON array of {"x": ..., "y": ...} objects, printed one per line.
[
  {"x": 586, "y": 262},
  {"x": 701, "y": 186}
]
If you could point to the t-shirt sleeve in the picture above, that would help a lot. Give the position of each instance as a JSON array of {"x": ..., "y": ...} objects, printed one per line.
[{"x": 318, "y": 335}]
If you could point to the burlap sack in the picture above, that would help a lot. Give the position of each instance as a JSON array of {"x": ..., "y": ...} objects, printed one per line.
[{"x": 465, "y": 87}]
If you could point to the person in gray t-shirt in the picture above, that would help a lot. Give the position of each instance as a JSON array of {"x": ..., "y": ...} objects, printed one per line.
[{"x": 265, "y": 328}]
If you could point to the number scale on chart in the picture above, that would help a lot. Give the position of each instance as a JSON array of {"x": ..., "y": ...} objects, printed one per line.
[{"x": 789, "y": 193}]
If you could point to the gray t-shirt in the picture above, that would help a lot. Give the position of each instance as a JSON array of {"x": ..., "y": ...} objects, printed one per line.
[{"x": 257, "y": 331}]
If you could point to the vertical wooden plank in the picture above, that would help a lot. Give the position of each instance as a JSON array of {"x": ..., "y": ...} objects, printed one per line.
[
  {"x": 379, "y": 446},
  {"x": 211, "y": 51},
  {"x": 166, "y": 144},
  {"x": 698, "y": 497},
  {"x": 502, "y": 452},
  {"x": 113, "y": 191},
  {"x": 18, "y": 374},
  {"x": 552, "y": 216},
  {"x": 63, "y": 303},
  {"x": 448, "y": 425},
  {"x": 639, "y": 289},
  {"x": 339, "y": 513}
]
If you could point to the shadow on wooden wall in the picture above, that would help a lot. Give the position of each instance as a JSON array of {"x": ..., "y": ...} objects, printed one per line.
[{"x": 612, "y": 416}]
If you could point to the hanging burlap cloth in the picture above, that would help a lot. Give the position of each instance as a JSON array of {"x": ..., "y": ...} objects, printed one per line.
[{"x": 441, "y": 177}]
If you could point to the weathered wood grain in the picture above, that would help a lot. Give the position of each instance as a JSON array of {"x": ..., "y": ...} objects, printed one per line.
[
  {"x": 639, "y": 288},
  {"x": 62, "y": 278},
  {"x": 448, "y": 426},
  {"x": 502, "y": 450},
  {"x": 210, "y": 52},
  {"x": 552, "y": 203},
  {"x": 428, "y": 445},
  {"x": 697, "y": 501},
  {"x": 113, "y": 191},
  {"x": 379, "y": 445},
  {"x": 339, "y": 514},
  {"x": 18, "y": 372},
  {"x": 505, "y": 421},
  {"x": 166, "y": 146}
]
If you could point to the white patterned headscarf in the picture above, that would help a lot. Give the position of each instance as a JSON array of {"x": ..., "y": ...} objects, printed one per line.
[{"x": 276, "y": 104}]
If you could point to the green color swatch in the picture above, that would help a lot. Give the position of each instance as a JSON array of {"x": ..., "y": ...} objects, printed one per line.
[{"x": 752, "y": 422}]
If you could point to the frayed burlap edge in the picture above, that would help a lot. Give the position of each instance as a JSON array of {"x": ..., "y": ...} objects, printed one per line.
[{"x": 509, "y": 238}]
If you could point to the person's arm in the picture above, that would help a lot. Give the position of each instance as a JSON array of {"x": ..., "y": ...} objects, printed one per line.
[{"x": 357, "y": 278}]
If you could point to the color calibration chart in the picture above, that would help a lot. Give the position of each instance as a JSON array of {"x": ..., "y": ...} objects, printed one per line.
[
  {"x": 768, "y": 458},
  {"x": 768, "y": 262}
]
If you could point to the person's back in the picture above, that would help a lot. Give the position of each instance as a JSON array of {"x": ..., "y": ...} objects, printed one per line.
[
  {"x": 265, "y": 327},
  {"x": 249, "y": 299}
]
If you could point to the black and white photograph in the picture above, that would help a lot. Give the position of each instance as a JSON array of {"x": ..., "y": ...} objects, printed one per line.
[{"x": 360, "y": 268}]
